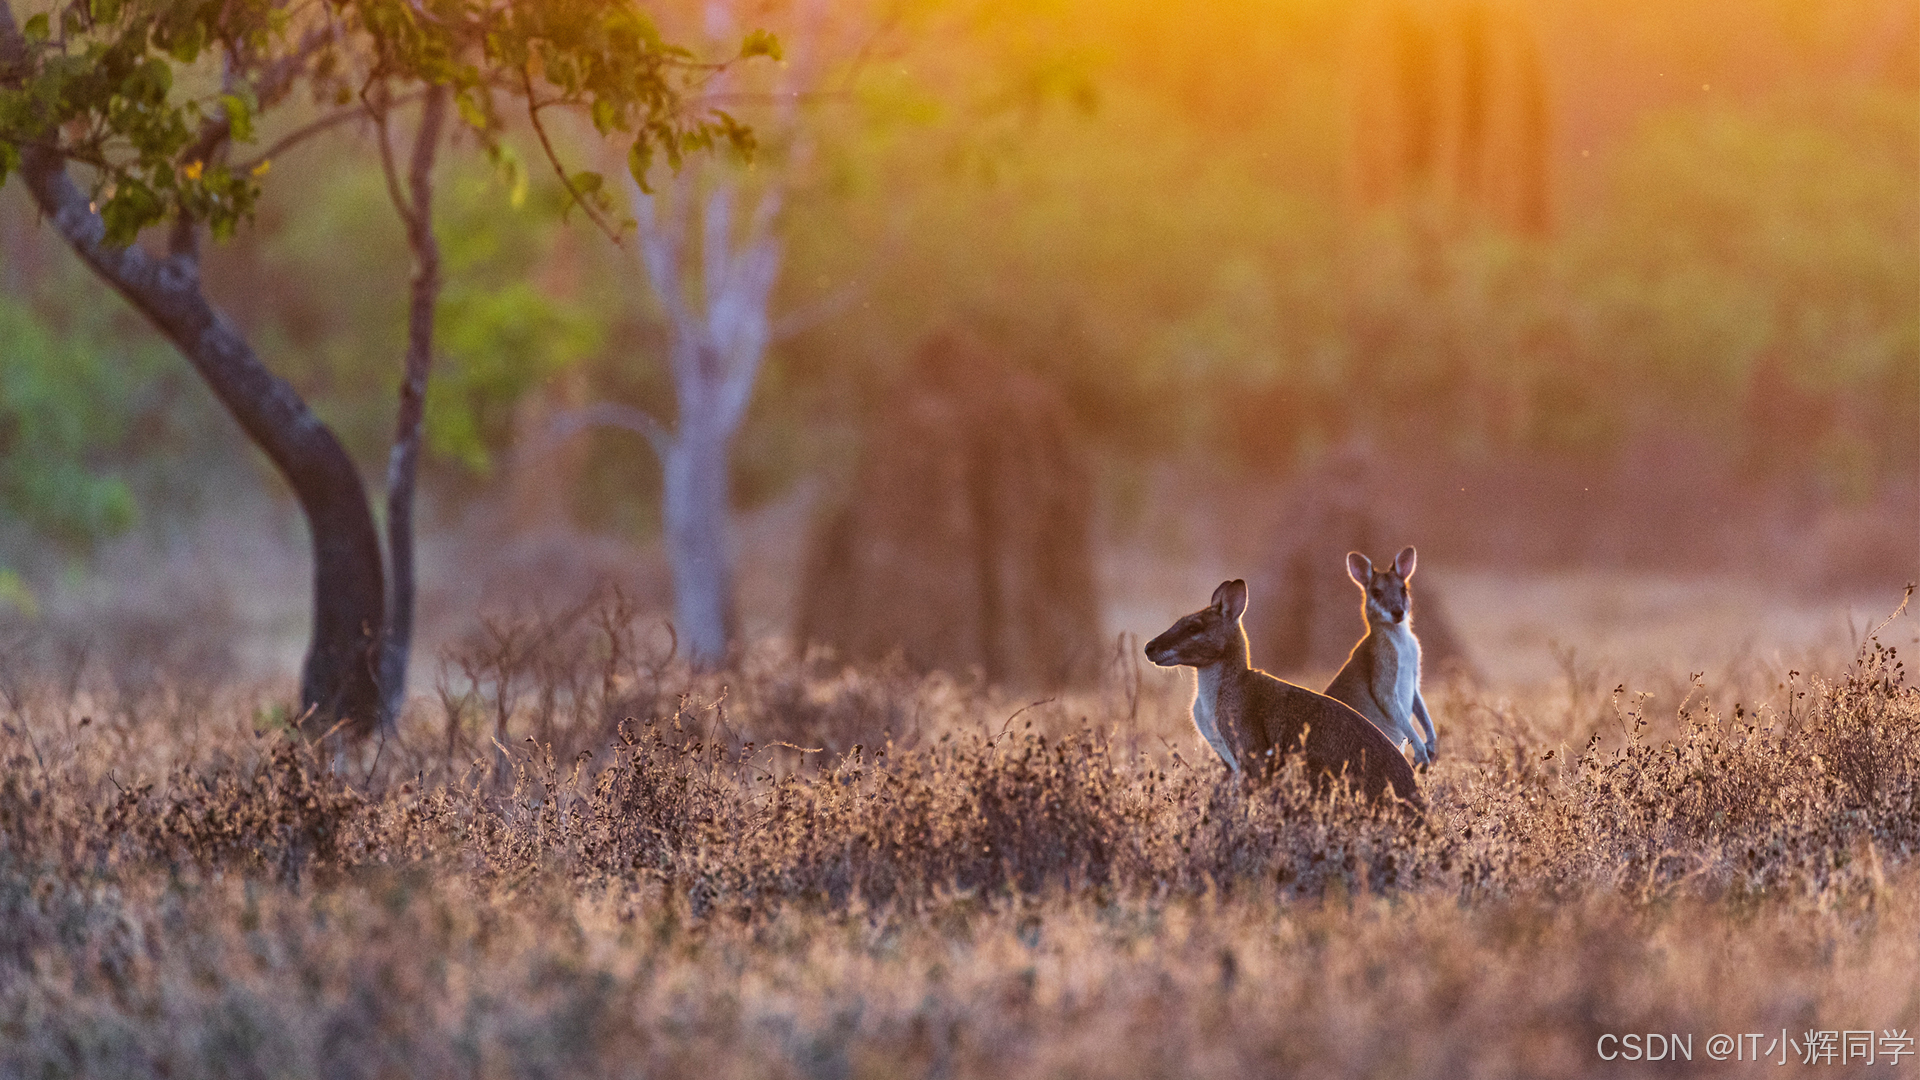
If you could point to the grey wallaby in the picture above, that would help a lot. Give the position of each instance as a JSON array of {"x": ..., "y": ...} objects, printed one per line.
[
  {"x": 1253, "y": 720},
  {"x": 1381, "y": 679}
]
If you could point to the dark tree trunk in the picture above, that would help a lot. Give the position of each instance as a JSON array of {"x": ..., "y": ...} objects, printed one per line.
[
  {"x": 403, "y": 463},
  {"x": 339, "y": 680}
]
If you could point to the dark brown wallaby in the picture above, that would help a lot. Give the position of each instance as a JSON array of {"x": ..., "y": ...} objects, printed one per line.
[{"x": 1253, "y": 720}]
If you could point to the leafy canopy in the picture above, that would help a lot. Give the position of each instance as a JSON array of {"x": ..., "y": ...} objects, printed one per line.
[{"x": 150, "y": 96}]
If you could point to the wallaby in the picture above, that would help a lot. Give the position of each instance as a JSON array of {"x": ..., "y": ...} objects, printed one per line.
[
  {"x": 1253, "y": 720},
  {"x": 1381, "y": 679}
]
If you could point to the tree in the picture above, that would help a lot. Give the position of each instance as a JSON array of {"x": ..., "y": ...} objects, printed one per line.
[
  {"x": 718, "y": 318},
  {"x": 415, "y": 207},
  {"x": 151, "y": 99},
  {"x": 711, "y": 251}
]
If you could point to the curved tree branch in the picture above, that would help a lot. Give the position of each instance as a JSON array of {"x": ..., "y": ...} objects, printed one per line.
[
  {"x": 553, "y": 158},
  {"x": 377, "y": 109},
  {"x": 611, "y": 414},
  {"x": 325, "y": 123}
]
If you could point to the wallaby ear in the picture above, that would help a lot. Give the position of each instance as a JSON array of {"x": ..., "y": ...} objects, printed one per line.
[
  {"x": 1231, "y": 599},
  {"x": 1360, "y": 568},
  {"x": 1403, "y": 562}
]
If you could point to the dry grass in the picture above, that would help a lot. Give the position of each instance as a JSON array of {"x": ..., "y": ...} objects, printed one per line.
[{"x": 526, "y": 882}]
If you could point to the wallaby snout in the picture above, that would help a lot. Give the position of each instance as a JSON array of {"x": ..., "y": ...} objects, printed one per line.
[
  {"x": 1184, "y": 643},
  {"x": 1205, "y": 636},
  {"x": 1163, "y": 652}
]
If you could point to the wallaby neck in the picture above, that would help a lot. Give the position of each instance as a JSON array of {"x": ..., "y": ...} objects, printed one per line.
[
  {"x": 1209, "y": 714},
  {"x": 1399, "y": 632},
  {"x": 1232, "y": 662}
]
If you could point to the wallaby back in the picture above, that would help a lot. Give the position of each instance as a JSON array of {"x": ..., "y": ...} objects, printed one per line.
[
  {"x": 1283, "y": 718},
  {"x": 1254, "y": 721}
]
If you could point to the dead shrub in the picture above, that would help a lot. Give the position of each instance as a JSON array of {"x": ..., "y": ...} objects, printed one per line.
[
  {"x": 565, "y": 678},
  {"x": 272, "y": 817}
]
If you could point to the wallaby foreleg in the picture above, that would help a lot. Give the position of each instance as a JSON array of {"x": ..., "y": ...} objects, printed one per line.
[
  {"x": 1432, "y": 740},
  {"x": 1400, "y": 730}
]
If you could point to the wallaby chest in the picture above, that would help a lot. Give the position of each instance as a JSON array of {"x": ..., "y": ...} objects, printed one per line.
[
  {"x": 1395, "y": 675},
  {"x": 1209, "y": 710}
]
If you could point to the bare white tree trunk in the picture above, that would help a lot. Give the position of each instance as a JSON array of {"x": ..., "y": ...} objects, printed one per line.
[
  {"x": 696, "y": 514},
  {"x": 716, "y": 304},
  {"x": 711, "y": 254}
]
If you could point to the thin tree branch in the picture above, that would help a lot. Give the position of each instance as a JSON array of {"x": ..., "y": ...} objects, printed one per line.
[
  {"x": 863, "y": 55},
  {"x": 553, "y": 158},
  {"x": 807, "y": 316},
  {"x": 771, "y": 97},
  {"x": 214, "y": 131},
  {"x": 388, "y": 170},
  {"x": 278, "y": 78},
  {"x": 309, "y": 130},
  {"x": 613, "y": 414},
  {"x": 403, "y": 460},
  {"x": 661, "y": 239}
]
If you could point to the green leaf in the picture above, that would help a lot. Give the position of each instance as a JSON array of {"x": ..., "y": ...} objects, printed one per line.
[
  {"x": 761, "y": 43},
  {"x": 239, "y": 116},
  {"x": 739, "y": 137},
  {"x": 105, "y": 11},
  {"x": 9, "y": 161},
  {"x": 150, "y": 82},
  {"x": 605, "y": 116},
  {"x": 37, "y": 29},
  {"x": 472, "y": 111},
  {"x": 185, "y": 46},
  {"x": 507, "y": 163},
  {"x": 640, "y": 162},
  {"x": 586, "y": 183},
  {"x": 133, "y": 207}
]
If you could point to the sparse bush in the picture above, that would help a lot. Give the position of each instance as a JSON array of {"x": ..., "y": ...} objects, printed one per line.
[{"x": 269, "y": 817}]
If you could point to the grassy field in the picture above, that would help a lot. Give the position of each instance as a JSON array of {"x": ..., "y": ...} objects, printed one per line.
[{"x": 578, "y": 859}]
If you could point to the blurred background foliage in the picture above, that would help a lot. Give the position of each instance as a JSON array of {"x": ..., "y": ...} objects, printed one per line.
[
  {"x": 67, "y": 414},
  {"x": 1175, "y": 212}
]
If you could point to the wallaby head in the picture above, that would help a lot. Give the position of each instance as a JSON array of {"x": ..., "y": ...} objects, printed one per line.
[
  {"x": 1388, "y": 601},
  {"x": 1207, "y": 636}
]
